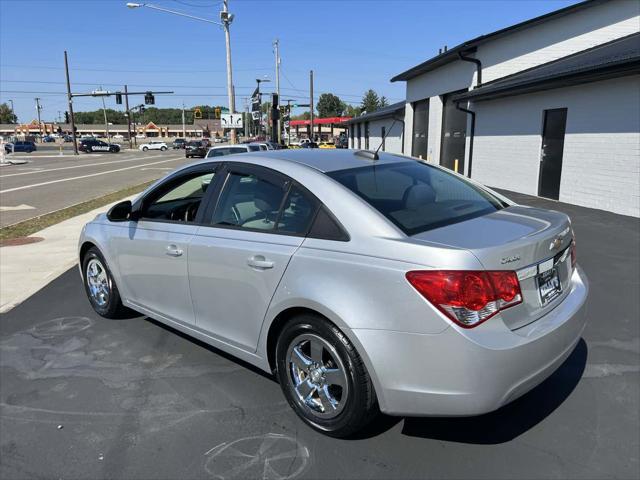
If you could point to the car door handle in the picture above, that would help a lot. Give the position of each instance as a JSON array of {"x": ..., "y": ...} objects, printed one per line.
[
  {"x": 173, "y": 251},
  {"x": 258, "y": 261}
]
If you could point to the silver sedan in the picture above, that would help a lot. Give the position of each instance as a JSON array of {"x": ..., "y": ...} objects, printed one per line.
[{"x": 363, "y": 283}]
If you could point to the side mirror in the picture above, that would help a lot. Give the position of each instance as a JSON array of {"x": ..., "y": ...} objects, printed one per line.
[{"x": 120, "y": 212}]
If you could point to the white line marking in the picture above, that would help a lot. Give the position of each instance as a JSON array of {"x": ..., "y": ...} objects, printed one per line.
[
  {"x": 18, "y": 207},
  {"x": 80, "y": 166},
  {"x": 25, "y": 187},
  {"x": 157, "y": 168}
]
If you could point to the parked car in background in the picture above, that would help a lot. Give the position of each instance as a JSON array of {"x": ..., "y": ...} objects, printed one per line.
[
  {"x": 20, "y": 146},
  {"x": 178, "y": 143},
  {"x": 141, "y": 136},
  {"x": 118, "y": 136},
  {"x": 162, "y": 146},
  {"x": 360, "y": 281},
  {"x": 309, "y": 144},
  {"x": 48, "y": 139},
  {"x": 222, "y": 150},
  {"x": 196, "y": 148},
  {"x": 67, "y": 138},
  {"x": 327, "y": 145},
  {"x": 261, "y": 146},
  {"x": 95, "y": 145}
]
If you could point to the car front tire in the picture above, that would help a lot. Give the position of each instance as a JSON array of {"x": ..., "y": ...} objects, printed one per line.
[
  {"x": 100, "y": 286},
  {"x": 144, "y": 149},
  {"x": 163, "y": 149},
  {"x": 324, "y": 378}
]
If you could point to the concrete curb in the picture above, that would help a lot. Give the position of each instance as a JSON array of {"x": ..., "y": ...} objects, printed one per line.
[{"x": 25, "y": 269}]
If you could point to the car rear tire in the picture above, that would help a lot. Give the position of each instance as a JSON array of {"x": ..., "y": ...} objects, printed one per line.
[
  {"x": 100, "y": 286},
  {"x": 323, "y": 377},
  {"x": 163, "y": 149}
]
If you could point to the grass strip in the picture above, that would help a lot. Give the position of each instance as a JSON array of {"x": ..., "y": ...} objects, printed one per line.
[{"x": 35, "y": 224}]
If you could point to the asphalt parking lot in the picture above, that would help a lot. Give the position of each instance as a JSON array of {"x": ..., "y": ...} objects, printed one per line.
[{"x": 86, "y": 397}]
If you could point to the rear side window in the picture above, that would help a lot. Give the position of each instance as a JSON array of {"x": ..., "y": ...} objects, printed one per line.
[{"x": 417, "y": 197}]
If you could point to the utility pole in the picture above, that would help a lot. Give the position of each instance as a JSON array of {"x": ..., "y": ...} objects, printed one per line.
[
  {"x": 106, "y": 122},
  {"x": 70, "y": 98},
  {"x": 277, "y": 125},
  {"x": 126, "y": 106},
  {"x": 38, "y": 108},
  {"x": 184, "y": 129},
  {"x": 226, "y": 21},
  {"x": 311, "y": 101}
]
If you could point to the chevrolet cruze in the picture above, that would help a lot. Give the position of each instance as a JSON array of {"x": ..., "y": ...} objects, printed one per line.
[{"x": 364, "y": 282}]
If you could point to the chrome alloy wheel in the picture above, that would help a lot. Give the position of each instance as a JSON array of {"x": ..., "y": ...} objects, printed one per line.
[
  {"x": 98, "y": 282},
  {"x": 317, "y": 376}
]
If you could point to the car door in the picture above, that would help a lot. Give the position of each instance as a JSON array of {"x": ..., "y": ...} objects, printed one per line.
[
  {"x": 152, "y": 251},
  {"x": 236, "y": 261}
]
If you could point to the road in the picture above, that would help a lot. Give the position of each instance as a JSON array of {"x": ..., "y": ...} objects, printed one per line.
[
  {"x": 86, "y": 397},
  {"x": 49, "y": 182}
]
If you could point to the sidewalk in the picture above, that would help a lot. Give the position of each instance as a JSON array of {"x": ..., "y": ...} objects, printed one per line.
[{"x": 25, "y": 269}]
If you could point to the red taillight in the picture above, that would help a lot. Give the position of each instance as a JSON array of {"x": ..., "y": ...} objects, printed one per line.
[{"x": 467, "y": 297}]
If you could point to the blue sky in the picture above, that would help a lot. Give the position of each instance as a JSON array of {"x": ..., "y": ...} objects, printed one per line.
[{"x": 351, "y": 45}]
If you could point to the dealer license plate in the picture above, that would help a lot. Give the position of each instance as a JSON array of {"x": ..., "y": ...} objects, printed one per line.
[{"x": 549, "y": 286}]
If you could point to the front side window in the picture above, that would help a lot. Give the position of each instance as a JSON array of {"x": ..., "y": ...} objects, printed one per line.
[
  {"x": 180, "y": 200},
  {"x": 250, "y": 202},
  {"x": 417, "y": 197},
  {"x": 254, "y": 148}
]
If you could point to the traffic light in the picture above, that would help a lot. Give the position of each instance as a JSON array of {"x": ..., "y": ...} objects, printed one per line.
[
  {"x": 216, "y": 113},
  {"x": 197, "y": 113},
  {"x": 118, "y": 98},
  {"x": 149, "y": 99},
  {"x": 141, "y": 108},
  {"x": 66, "y": 117}
]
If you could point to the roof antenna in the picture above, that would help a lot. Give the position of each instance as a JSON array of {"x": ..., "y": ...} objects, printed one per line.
[{"x": 374, "y": 155}]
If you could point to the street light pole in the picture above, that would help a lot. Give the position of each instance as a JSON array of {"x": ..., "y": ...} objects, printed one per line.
[
  {"x": 226, "y": 21},
  {"x": 276, "y": 45},
  {"x": 311, "y": 100}
]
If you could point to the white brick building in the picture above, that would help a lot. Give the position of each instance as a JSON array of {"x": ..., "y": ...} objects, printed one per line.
[{"x": 549, "y": 107}]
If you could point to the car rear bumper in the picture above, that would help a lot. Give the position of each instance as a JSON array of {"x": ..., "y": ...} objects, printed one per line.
[{"x": 462, "y": 372}]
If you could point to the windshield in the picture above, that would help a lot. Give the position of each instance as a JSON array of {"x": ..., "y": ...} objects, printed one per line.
[{"x": 417, "y": 197}]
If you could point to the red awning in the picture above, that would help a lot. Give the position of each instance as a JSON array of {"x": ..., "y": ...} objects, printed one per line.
[{"x": 320, "y": 121}]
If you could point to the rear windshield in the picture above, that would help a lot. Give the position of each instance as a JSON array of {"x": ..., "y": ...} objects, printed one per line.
[
  {"x": 417, "y": 197},
  {"x": 193, "y": 144}
]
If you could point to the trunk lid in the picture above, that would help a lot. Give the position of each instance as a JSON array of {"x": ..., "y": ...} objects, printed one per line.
[{"x": 527, "y": 240}]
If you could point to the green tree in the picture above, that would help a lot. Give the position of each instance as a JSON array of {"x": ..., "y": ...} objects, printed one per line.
[
  {"x": 351, "y": 111},
  {"x": 383, "y": 102},
  {"x": 370, "y": 101},
  {"x": 6, "y": 114},
  {"x": 302, "y": 116},
  {"x": 330, "y": 105}
]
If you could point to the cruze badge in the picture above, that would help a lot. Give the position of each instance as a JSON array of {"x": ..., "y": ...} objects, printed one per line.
[{"x": 511, "y": 259}]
